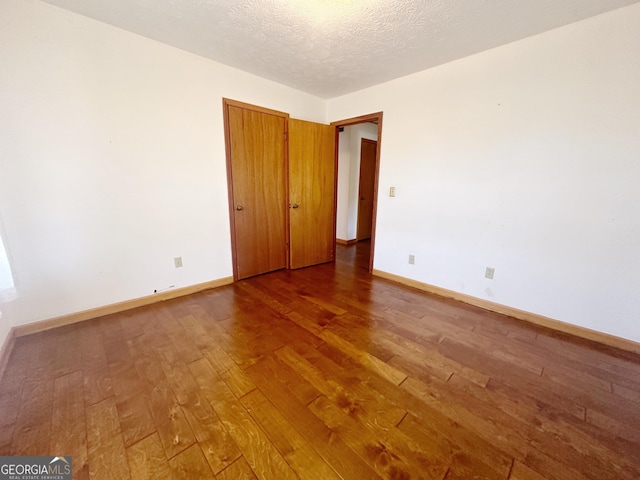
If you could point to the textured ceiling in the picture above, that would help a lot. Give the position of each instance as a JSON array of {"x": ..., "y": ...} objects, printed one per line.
[{"x": 332, "y": 47}]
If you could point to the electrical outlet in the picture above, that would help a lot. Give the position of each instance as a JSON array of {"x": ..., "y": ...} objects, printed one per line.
[
  {"x": 412, "y": 259},
  {"x": 177, "y": 261},
  {"x": 488, "y": 272},
  {"x": 392, "y": 191}
]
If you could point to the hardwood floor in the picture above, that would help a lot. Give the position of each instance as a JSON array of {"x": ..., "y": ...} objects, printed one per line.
[{"x": 321, "y": 373}]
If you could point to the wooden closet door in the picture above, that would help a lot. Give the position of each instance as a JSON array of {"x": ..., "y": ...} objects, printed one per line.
[
  {"x": 312, "y": 197},
  {"x": 258, "y": 197}
]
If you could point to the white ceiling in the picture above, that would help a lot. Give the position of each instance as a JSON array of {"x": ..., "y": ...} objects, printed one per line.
[{"x": 332, "y": 47}]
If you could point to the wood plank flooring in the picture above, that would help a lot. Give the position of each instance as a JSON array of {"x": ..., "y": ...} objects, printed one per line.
[{"x": 321, "y": 373}]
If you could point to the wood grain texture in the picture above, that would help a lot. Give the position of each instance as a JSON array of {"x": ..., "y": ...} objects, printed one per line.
[
  {"x": 258, "y": 173},
  {"x": 312, "y": 193},
  {"x": 68, "y": 428},
  {"x": 132, "y": 405},
  {"x": 11, "y": 386},
  {"x": 324, "y": 372},
  {"x": 295, "y": 449},
  {"x": 171, "y": 424},
  {"x": 218, "y": 446},
  {"x": 239, "y": 470},
  {"x": 191, "y": 464},
  {"x": 107, "y": 458},
  {"x": 147, "y": 460},
  {"x": 257, "y": 449},
  {"x": 32, "y": 428}
]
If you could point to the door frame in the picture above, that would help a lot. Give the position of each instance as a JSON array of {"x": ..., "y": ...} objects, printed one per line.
[
  {"x": 226, "y": 103},
  {"x": 375, "y": 118}
]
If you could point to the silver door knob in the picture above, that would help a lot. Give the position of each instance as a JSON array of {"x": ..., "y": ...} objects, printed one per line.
[{"x": 239, "y": 207}]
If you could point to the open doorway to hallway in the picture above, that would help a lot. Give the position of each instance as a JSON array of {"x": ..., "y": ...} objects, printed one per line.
[{"x": 358, "y": 164}]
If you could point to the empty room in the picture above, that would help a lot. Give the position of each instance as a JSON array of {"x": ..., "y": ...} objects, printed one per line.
[{"x": 320, "y": 239}]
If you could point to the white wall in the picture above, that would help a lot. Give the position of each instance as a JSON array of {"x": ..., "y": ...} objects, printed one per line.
[
  {"x": 112, "y": 161},
  {"x": 350, "y": 143},
  {"x": 525, "y": 158},
  {"x": 344, "y": 187}
]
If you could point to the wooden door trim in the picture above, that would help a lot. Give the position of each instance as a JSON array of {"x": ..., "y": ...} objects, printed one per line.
[
  {"x": 374, "y": 118},
  {"x": 369, "y": 118},
  {"x": 255, "y": 108},
  {"x": 335, "y": 190},
  {"x": 226, "y": 103}
]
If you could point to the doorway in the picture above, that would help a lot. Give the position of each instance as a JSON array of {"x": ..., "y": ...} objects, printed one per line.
[{"x": 356, "y": 207}]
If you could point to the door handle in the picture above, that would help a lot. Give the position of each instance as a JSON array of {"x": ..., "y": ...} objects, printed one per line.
[
  {"x": 239, "y": 207},
  {"x": 295, "y": 205}
]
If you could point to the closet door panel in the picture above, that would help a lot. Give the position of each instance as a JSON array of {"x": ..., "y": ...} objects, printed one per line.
[
  {"x": 311, "y": 193},
  {"x": 259, "y": 195}
]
